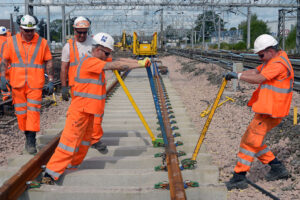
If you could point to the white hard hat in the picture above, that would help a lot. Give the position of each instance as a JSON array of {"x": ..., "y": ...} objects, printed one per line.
[
  {"x": 104, "y": 39},
  {"x": 28, "y": 22},
  {"x": 81, "y": 22},
  {"x": 3, "y": 30},
  {"x": 264, "y": 41}
]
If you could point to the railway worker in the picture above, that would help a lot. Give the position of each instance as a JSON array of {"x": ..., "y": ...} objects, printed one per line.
[
  {"x": 271, "y": 102},
  {"x": 72, "y": 52},
  {"x": 3, "y": 37},
  {"x": 88, "y": 101},
  {"x": 27, "y": 53}
]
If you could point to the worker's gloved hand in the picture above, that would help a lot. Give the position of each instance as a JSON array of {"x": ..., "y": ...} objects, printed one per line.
[
  {"x": 231, "y": 75},
  {"x": 146, "y": 62},
  {"x": 49, "y": 88},
  {"x": 3, "y": 84},
  {"x": 65, "y": 93}
]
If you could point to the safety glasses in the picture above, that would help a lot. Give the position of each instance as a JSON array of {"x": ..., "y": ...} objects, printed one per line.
[
  {"x": 81, "y": 32},
  {"x": 261, "y": 55},
  {"x": 28, "y": 30},
  {"x": 106, "y": 53}
]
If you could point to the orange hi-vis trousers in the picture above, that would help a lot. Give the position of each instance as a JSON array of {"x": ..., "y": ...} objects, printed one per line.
[
  {"x": 98, "y": 131},
  {"x": 73, "y": 144},
  {"x": 252, "y": 142},
  {"x": 27, "y": 103}
]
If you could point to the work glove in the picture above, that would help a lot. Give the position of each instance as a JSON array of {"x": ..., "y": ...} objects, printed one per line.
[
  {"x": 3, "y": 84},
  {"x": 65, "y": 93},
  {"x": 231, "y": 75},
  {"x": 49, "y": 88},
  {"x": 145, "y": 63}
]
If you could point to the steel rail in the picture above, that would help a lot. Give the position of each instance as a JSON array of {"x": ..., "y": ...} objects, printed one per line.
[
  {"x": 220, "y": 59},
  {"x": 174, "y": 173},
  {"x": 16, "y": 185}
]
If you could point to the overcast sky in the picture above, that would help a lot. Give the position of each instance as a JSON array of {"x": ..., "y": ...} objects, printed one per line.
[{"x": 148, "y": 17}]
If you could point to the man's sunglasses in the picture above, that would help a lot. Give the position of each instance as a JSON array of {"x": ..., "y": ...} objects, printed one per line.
[
  {"x": 261, "y": 55},
  {"x": 83, "y": 32},
  {"x": 28, "y": 30},
  {"x": 106, "y": 53}
]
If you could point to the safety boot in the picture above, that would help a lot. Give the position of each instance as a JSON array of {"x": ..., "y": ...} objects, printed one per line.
[
  {"x": 278, "y": 171},
  {"x": 47, "y": 179},
  {"x": 100, "y": 146},
  {"x": 238, "y": 181},
  {"x": 30, "y": 145}
]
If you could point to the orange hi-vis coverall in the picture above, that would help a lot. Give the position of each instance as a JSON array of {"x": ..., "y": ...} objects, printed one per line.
[
  {"x": 271, "y": 102},
  {"x": 89, "y": 100},
  {"x": 5, "y": 95},
  {"x": 74, "y": 61},
  {"x": 27, "y": 77}
]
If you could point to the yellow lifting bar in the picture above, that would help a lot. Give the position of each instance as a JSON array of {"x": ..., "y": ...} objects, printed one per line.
[
  {"x": 134, "y": 105},
  {"x": 207, "y": 110},
  {"x": 208, "y": 120}
]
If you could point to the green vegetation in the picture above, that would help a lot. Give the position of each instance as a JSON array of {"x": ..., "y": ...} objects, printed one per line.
[
  {"x": 291, "y": 40},
  {"x": 257, "y": 27}
]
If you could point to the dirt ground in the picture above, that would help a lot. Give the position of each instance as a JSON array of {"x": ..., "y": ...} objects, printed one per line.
[{"x": 198, "y": 84}]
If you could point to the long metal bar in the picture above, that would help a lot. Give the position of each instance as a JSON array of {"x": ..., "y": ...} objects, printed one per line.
[
  {"x": 174, "y": 173},
  {"x": 208, "y": 120},
  {"x": 156, "y": 103},
  {"x": 16, "y": 185},
  {"x": 134, "y": 105}
]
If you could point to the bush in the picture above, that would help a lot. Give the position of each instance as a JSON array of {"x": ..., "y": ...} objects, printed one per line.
[{"x": 240, "y": 46}]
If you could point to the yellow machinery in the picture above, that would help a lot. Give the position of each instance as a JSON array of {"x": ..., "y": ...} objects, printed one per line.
[
  {"x": 123, "y": 45},
  {"x": 144, "y": 49}
]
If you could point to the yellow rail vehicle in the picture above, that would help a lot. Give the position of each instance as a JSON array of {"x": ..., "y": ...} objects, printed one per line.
[{"x": 144, "y": 48}]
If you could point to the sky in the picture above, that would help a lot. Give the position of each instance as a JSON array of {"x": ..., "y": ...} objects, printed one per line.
[{"x": 144, "y": 19}]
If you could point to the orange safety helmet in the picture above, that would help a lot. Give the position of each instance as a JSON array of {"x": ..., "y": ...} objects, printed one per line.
[{"x": 81, "y": 22}]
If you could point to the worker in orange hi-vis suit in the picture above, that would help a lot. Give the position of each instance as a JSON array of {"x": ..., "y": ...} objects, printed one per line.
[
  {"x": 27, "y": 53},
  {"x": 75, "y": 49},
  {"x": 88, "y": 101},
  {"x": 3, "y": 37},
  {"x": 271, "y": 102}
]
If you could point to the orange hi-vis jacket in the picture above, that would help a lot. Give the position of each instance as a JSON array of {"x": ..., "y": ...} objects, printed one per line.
[
  {"x": 89, "y": 88},
  {"x": 27, "y": 65},
  {"x": 2, "y": 45},
  {"x": 273, "y": 97},
  {"x": 74, "y": 61}
]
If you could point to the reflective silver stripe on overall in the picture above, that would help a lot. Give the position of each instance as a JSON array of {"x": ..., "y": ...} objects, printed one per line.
[
  {"x": 277, "y": 89},
  {"x": 75, "y": 60},
  {"x": 65, "y": 147},
  {"x": 81, "y": 80},
  {"x": 21, "y": 105},
  {"x": 52, "y": 173},
  {"x": 21, "y": 63}
]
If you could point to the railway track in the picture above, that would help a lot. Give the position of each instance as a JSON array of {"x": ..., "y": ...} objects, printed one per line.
[
  {"x": 126, "y": 171},
  {"x": 226, "y": 59}
]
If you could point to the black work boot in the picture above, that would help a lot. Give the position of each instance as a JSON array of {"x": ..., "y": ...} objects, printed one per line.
[
  {"x": 30, "y": 145},
  {"x": 278, "y": 171},
  {"x": 47, "y": 179},
  {"x": 238, "y": 181},
  {"x": 100, "y": 146}
]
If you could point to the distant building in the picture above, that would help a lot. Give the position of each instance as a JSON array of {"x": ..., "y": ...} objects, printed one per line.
[
  {"x": 273, "y": 26},
  {"x": 231, "y": 37}
]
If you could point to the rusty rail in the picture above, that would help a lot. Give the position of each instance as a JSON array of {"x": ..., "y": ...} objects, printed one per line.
[
  {"x": 16, "y": 185},
  {"x": 177, "y": 191}
]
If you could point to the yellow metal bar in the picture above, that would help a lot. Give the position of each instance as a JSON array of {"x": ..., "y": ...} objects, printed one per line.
[
  {"x": 134, "y": 105},
  {"x": 295, "y": 115},
  {"x": 208, "y": 120}
]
